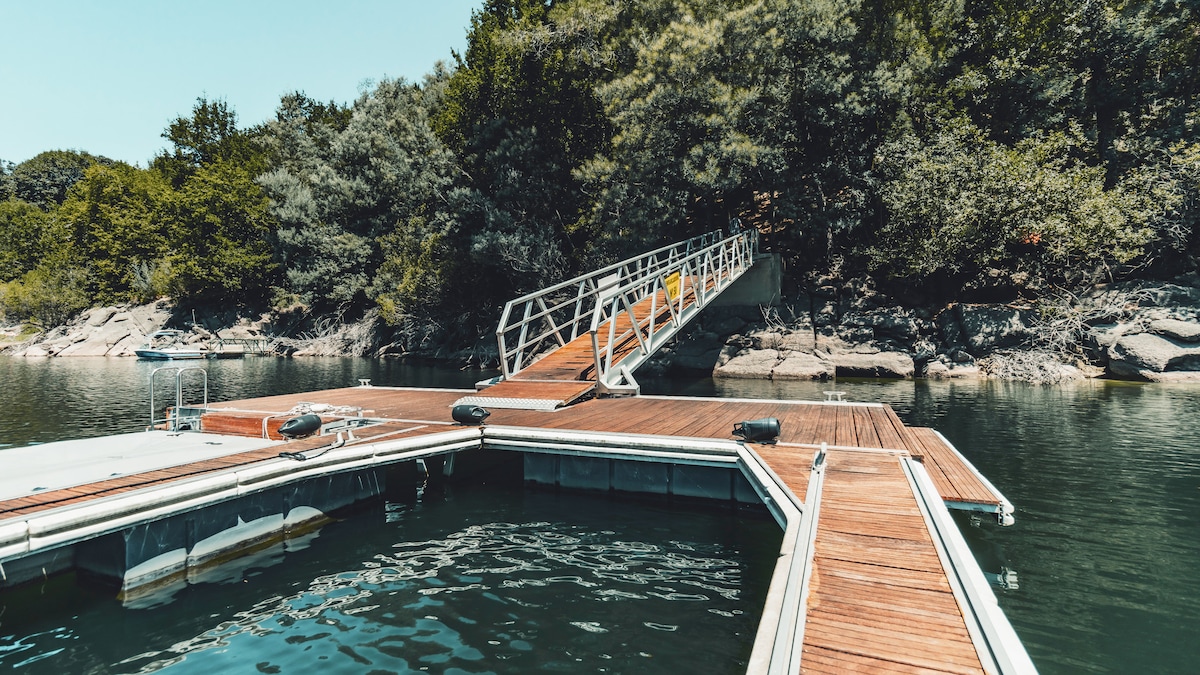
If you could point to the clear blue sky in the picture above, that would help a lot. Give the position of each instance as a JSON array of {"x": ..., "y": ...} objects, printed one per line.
[{"x": 108, "y": 76}]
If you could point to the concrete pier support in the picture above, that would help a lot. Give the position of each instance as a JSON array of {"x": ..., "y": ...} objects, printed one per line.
[{"x": 760, "y": 286}]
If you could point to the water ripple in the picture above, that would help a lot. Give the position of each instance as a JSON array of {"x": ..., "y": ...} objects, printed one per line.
[{"x": 403, "y": 592}]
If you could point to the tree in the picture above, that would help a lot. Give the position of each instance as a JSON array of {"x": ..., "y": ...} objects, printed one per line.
[
  {"x": 337, "y": 192},
  {"x": 24, "y": 234},
  {"x": 113, "y": 217},
  {"x": 209, "y": 135},
  {"x": 48, "y": 295},
  {"x": 960, "y": 205},
  {"x": 45, "y": 179},
  {"x": 521, "y": 114},
  {"x": 7, "y": 187},
  {"x": 218, "y": 238},
  {"x": 725, "y": 106}
]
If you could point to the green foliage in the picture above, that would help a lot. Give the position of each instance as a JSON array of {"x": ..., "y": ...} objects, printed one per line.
[
  {"x": 47, "y": 296},
  {"x": 45, "y": 179},
  {"x": 114, "y": 220},
  {"x": 960, "y": 205},
  {"x": 521, "y": 114},
  {"x": 722, "y": 108},
  {"x": 24, "y": 237},
  {"x": 219, "y": 230},
  {"x": 337, "y": 191},
  {"x": 210, "y": 135},
  {"x": 8, "y": 187}
]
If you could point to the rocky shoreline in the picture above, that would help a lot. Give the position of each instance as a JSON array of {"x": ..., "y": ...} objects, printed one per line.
[
  {"x": 120, "y": 330},
  {"x": 1136, "y": 330}
]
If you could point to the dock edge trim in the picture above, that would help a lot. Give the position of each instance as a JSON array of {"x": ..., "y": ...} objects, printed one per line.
[
  {"x": 996, "y": 642},
  {"x": 1005, "y": 516}
]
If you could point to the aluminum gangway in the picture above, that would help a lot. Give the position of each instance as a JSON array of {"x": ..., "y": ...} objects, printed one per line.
[{"x": 592, "y": 332}]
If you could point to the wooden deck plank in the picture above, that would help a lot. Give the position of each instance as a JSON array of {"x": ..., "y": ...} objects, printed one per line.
[
  {"x": 818, "y": 660},
  {"x": 862, "y": 558},
  {"x": 885, "y": 429},
  {"x": 868, "y": 437},
  {"x": 960, "y": 482},
  {"x": 792, "y": 465}
]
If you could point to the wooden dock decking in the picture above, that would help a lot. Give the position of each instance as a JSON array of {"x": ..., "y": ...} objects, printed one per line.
[
  {"x": 879, "y": 599},
  {"x": 569, "y": 372}
]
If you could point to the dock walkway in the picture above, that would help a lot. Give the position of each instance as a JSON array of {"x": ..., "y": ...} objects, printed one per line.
[{"x": 881, "y": 593}]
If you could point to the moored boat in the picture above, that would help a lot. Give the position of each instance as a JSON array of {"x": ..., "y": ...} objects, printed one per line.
[{"x": 159, "y": 347}]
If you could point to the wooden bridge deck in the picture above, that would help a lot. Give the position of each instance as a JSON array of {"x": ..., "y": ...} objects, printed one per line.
[
  {"x": 879, "y": 598},
  {"x": 570, "y": 370}
]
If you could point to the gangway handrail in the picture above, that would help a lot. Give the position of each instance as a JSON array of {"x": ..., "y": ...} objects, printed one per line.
[
  {"x": 560, "y": 313},
  {"x": 696, "y": 279}
]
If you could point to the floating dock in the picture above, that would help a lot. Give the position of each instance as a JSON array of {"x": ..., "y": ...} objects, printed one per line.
[{"x": 873, "y": 573}]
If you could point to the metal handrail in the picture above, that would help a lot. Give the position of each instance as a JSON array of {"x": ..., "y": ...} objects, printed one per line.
[
  {"x": 172, "y": 422},
  {"x": 697, "y": 278},
  {"x": 558, "y": 314}
]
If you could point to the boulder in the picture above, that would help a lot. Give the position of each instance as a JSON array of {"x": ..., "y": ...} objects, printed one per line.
[
  {"x": 882, "y": 364},
  {"x": 1174, "y": 376},
  {"x": 723, "y": 324},
  {"x": 99, "y": 316},
  {"x": 941, "y": 370},
  {"x": 1103, "y": 336},
  {"x": 1183, "y": 331},
  {"x": 936, "y": 370},
  {"x": 895, "y": 323},
  {"x": 84, "y": 348},
  {"x": 780, "y": 339},
  {"x": 749, "y": 364},
  {"x": 35, "y": 351},
  {"x": 803, "y": 366},
  {"x": 949, "y": 329},
  {"x": 824, "y": 313},
  {"x": 701, "y": 351},
  {"x": 1144, "y": 354},
  {"x": 989, "y": 327}
]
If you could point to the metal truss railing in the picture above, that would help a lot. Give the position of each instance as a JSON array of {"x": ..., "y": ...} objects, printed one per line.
[{"x": 678, "y": 280}]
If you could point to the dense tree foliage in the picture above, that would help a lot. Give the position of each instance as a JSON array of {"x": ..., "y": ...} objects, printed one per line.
[
  {"x": 1008, "y": 144},
  {"x": 44, "y": 180}
]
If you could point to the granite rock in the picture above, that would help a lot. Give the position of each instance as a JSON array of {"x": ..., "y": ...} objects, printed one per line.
[
  {"x": 1143, "y": 354},
  {"x": 803, "y": 366},
  {"x": 881, "y": 364}
]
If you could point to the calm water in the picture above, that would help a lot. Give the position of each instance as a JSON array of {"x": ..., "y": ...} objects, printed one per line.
[
  {"x": 468, "y": 581},
  {"x": 1102, "y": 567}
]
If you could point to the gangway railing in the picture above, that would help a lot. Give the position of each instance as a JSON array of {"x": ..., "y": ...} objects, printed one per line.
[{"x": 679, "y": 279}]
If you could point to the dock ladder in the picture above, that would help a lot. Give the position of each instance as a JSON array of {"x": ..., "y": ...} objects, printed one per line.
[{"x": 179, "y": 417}]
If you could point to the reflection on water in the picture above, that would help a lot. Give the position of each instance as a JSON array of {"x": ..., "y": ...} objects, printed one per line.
[{"x": 439, "y": 585}]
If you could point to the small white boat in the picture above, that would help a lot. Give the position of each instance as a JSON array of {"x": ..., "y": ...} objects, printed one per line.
[
  {"x": 169, "y": 353},
  {"x": 155, "y": 349}
]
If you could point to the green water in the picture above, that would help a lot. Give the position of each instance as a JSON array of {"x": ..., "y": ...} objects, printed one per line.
[{"x": 1101, "y": 570}]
